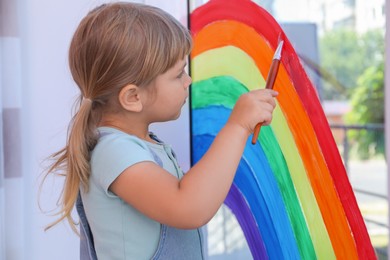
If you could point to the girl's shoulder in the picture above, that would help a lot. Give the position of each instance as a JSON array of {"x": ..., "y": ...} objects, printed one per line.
[
  {"x": 114, "y": 152},
  {"x": 115, "y": 146}
]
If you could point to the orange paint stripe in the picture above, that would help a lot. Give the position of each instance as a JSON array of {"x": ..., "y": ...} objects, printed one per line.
[
  {"x": 224, "y": 33},
  {"x": 321, "y": 181},
  {"x": 221, "y": 34}
]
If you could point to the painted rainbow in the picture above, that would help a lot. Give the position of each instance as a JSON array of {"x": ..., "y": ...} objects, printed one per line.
[{"x": 291, "y": 195}]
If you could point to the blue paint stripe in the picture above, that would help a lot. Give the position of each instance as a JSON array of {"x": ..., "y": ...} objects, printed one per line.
[{"x": 258, "y": 186}]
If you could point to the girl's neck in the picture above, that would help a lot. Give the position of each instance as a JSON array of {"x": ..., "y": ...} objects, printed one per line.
[{"x": 136, "y": 129}]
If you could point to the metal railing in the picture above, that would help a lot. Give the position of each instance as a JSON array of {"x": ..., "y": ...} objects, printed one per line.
[
  {"x": 346, "y": 156},
  {"x": 346, "y": 142}
]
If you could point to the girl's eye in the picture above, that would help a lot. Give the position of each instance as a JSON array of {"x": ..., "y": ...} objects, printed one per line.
[{"x": 180, "y": 75}]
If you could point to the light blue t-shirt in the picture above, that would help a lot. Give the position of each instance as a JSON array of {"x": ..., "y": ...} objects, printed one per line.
[{"x": 119, "y": 230}]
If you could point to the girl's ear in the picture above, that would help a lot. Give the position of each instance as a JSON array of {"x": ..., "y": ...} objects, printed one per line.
[{"x": 129, "y": 98}]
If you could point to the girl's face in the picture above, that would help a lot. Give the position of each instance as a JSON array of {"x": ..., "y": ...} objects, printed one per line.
[{"x": 170, "y": 91}]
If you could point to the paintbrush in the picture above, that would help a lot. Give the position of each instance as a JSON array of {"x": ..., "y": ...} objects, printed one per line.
[{"x": 272, "y": 73}]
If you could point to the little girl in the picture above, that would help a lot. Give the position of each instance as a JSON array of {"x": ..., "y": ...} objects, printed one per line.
[{"x": 129, "y": 61}]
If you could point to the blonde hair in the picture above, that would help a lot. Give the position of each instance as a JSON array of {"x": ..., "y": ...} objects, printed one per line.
[{"x": 115, "y": 45}]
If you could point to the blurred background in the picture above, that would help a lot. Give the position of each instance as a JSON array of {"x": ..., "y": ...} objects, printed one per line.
[{"x": 341, "y": 44}]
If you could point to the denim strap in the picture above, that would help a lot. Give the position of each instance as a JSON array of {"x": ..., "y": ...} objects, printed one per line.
[{"x": 87, "y": 248}]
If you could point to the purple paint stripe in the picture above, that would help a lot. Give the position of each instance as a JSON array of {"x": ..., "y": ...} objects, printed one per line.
[{"x": 239, "y": 206}]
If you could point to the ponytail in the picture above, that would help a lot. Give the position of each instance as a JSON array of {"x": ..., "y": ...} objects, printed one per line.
[{"x": 73, "y": 159}]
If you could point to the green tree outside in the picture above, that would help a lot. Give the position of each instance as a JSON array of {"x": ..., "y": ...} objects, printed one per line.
[
  {"x": 357, "y": 62},
  {"x": 367, "y": 105},
  {"x": 346, "y": 55}
]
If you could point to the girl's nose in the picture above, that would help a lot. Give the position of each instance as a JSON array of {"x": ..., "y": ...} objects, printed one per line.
[{"x": 188, "y": 81}]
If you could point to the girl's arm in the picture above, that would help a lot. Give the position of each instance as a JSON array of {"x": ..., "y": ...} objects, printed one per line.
[{"x": 192, "y": 201}]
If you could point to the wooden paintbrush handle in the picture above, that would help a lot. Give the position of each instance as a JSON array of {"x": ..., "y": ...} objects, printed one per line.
[
  {"x": 272, "y": 73},
  {"x": 256, "y": 133},
  {"x": 269, "y": 85}
]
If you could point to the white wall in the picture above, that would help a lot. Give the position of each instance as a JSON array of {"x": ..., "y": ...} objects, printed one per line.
[{"x": 47, "y": 96}]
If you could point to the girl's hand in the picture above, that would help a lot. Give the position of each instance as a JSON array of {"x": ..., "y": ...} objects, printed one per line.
[{"x": 252, "y": 108}]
